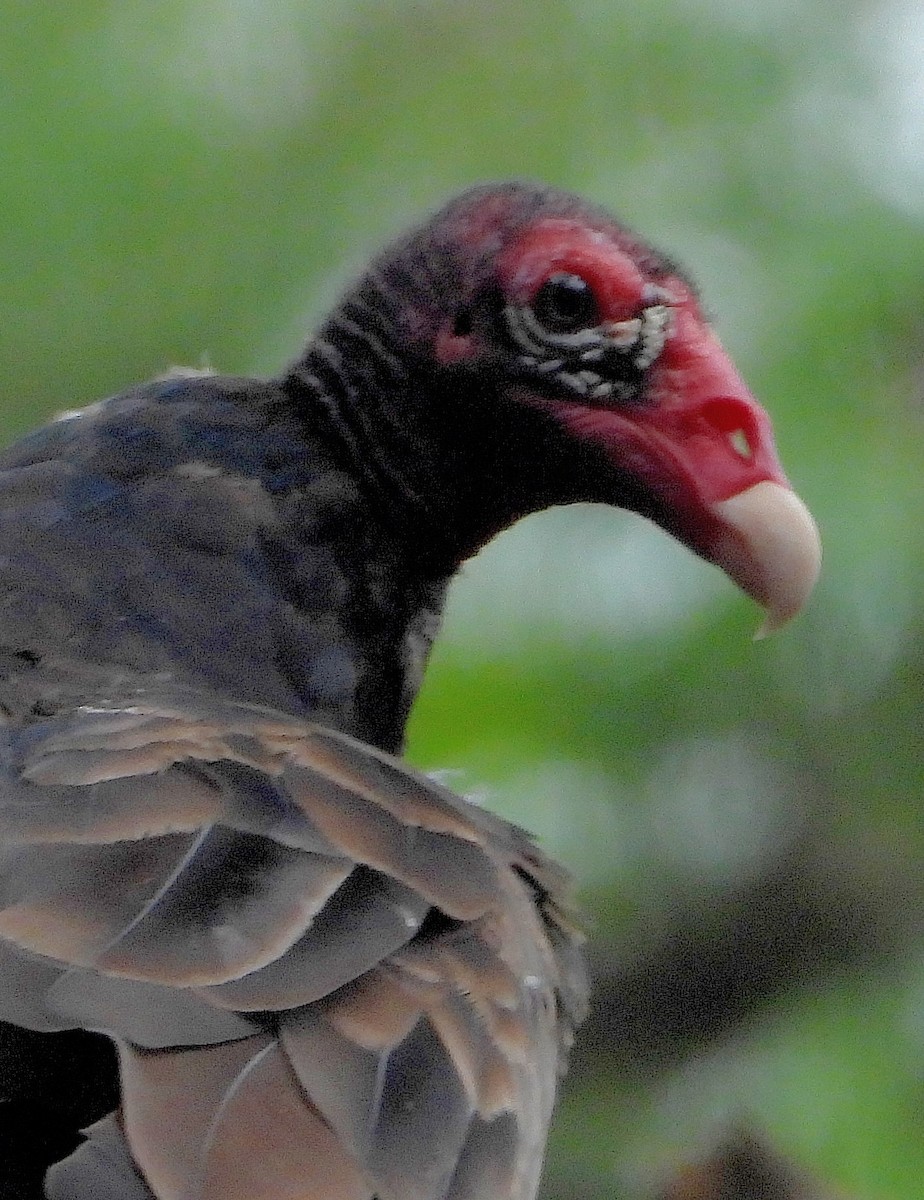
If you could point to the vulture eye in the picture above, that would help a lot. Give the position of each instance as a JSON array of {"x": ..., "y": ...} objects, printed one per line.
[{"x": 565, "y": 303}]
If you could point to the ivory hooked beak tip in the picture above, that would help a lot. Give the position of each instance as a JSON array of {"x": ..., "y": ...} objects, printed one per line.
[{"x": 771, "y": 548}]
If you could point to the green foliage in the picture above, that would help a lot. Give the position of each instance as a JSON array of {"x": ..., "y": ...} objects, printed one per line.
[{"x": 191, "y": 182}]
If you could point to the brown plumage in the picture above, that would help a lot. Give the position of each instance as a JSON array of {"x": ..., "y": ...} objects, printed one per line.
[{"x": 212, "y": 871}]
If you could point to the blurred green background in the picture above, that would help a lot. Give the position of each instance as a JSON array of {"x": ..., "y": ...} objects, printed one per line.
[{"x": 192, "y": 181}]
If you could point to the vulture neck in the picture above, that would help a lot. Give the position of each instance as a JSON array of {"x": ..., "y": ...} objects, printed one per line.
[{"x": 445, "y": 458}]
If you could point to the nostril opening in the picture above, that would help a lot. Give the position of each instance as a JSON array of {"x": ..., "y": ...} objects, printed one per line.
[{"x": 736, "y": 422}]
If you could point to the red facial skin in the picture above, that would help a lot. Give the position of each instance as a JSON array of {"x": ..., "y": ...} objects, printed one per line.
[{"x": 698, "y": 436}]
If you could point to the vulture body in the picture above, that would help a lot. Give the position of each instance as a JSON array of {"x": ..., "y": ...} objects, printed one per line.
[{"x": 326, "y": 976}]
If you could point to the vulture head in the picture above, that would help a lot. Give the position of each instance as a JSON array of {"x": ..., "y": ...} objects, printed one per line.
[{"x": 522, "y": 349}]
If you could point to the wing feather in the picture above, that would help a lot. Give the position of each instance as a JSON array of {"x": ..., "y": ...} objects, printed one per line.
[
  {"x": 327, "y": 974},
  {"x": 237, "y": 902},
  {"x": 368, "y": 918},
  {"x": 266, "y": 1107},
  {"x": 150, "y": 1015},
  {"x": 70, "y": 900}
]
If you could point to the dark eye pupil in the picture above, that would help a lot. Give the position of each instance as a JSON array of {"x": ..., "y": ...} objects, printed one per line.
[{"x": 565, "y": 303}]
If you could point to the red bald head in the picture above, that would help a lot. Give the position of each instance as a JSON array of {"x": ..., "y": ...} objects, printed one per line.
[{"x": 535, "y": 301}]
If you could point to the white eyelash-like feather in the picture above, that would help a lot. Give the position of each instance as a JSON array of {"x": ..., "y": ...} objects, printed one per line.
[{"x": 642, "y": 337}]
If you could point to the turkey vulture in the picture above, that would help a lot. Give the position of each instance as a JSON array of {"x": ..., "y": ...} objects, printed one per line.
[{"x": 325, "y": 975}]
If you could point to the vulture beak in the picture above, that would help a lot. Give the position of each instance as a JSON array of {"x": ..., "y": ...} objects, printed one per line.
[
  {"x": 733, "y": 502},
  {"x": 700, "y": 450},
  {"x": 770, "y": 548},
  {"x": 712, "y": 461}
]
